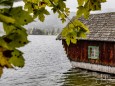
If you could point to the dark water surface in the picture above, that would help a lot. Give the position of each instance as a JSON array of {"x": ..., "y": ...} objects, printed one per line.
[{"x": 47, "y": 65}]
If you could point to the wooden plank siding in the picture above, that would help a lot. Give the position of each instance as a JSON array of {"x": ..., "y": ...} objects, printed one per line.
[{"x": 79, "y": 52}]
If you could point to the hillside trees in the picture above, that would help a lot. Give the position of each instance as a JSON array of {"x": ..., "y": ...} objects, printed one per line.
[
  {"x": 14, "y": 18},
  {"x": 36, "y": 31}
]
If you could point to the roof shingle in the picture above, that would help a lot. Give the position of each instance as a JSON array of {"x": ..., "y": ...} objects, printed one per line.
[{"x": 101, "y": 26}]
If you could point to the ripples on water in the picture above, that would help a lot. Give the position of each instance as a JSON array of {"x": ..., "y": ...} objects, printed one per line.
[{"x": 47, "y": 65}]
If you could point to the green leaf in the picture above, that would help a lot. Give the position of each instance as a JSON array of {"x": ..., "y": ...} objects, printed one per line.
[
  {"x": 3, "y": 43},
  {"x": 86, "y": 14},
  {"x": 16, "y": 36},
  {"x": 6, "y": 19},
  {"x": 85, "y": 6},
  {"x": 63, "y": 20},
  {"x": 81, "y": 25},
  {"x": 64, "y": 32},
  {"x": 4, "y": 62},
  {"x": 68, "y": 41},
  {"x": 103, "y": 0},
  {"x": 80, "y": 11},
  {"x": 55, "y": 1},
  {"x": 41, "y": 14},
  {"x": 82, "y": 35},
  {"x": 46, "y": 12},
  {"x": 28, "y": 7},
  {"x": 8, "y": 28},
  {"x": 21, "y": 17},
  {"x": 6, "y": 2},
  {"x": 41, "y": 17},
  {"x": 61, "y": 5},
  {"x": 80, "y": 2},
  {"x": 74, "y": 41},
  {"x": 71, "y": 25},
  {"x": 17, "y": 59},
  {"x": 73, "y": 31}
]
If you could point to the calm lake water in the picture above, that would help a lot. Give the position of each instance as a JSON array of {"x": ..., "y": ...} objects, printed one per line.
[{"x": 47, "y": 65}]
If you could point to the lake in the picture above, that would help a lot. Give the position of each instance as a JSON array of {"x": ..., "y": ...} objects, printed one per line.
[{"x": 48, "y": 65}]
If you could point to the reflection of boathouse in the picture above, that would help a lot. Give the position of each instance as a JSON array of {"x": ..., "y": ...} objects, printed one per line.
[{"x": 97, "y": 51}]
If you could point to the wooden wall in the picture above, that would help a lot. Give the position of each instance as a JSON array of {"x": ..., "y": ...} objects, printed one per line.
[{"x": 79, "y": 52}]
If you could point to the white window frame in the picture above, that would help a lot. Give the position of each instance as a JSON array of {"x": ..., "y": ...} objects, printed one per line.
[{"x": 93, "y": 52}]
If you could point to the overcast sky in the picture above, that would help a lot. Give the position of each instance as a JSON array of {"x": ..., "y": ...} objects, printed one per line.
[{"x": 107, "y": 6}]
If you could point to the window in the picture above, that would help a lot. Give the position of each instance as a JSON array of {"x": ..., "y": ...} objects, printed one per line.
[{"x": 93, "y": 52}]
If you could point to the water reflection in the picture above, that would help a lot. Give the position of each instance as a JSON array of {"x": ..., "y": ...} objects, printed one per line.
[
  {"x": 79, "y": 77},
  {"x": 47, "y": 65}
]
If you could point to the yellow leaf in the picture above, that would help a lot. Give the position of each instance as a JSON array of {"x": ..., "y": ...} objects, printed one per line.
[
  {"x": 80, "y": 11},
  {"x": 74, "y": 41},
  {"x": 4, "y": 62},
  {"x": 6, "y": 19},
  {"x": 68, "y": 41},
  {"x": 1, "y": 71},
  {"x": 80, "y": 2}
]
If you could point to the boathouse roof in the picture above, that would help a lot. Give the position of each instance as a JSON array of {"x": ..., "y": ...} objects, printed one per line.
[{"x": 101, "y": 26}]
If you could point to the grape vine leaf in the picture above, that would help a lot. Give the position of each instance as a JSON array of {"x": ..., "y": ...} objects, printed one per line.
[
  {"x": 85, "y": 6},
  {"x": 74, "y": 30},
  {"x": 80, "y": 2},
  {"x": 4, "y": 61},
  {"x": 6, "y": 19},
  {"x": 41, "y": 13},
  {"x": 68, "y": 41},
  {"x": 21, "y": 16},
  {"x": 16, "y": 36},
  {"x": 17, "y": 58},
  {"x": 6, "y": 2},
  {"x": 74, "y": 41}
]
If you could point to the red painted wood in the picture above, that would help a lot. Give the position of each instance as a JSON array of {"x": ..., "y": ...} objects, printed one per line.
[{"x": 79, "y": 52}]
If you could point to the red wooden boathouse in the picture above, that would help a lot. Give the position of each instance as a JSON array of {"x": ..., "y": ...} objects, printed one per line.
[{"x": 97, "y": 51}]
